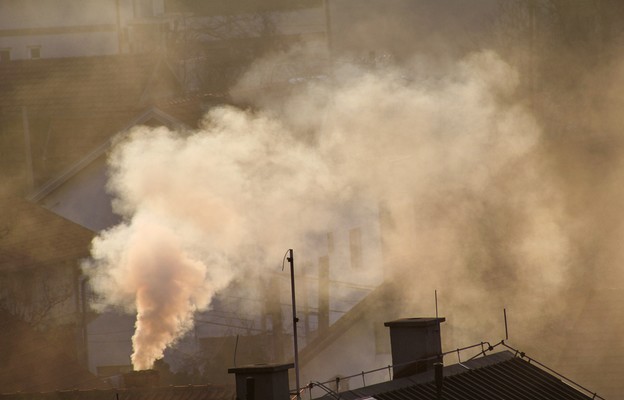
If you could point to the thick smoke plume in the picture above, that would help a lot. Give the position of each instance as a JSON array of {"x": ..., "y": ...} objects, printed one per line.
[{"x": 454, "y": 157}]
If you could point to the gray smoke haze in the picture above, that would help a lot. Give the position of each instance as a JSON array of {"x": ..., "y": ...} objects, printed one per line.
[{"x": 455, "y": 157}]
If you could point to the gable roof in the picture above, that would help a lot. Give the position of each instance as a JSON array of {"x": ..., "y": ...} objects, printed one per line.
[
  {"x": 31, "y": 236},
  {"x": 103, "y": 139},
  {"x": 498, "y": 376},
  {"x": 54, "y": 111}
]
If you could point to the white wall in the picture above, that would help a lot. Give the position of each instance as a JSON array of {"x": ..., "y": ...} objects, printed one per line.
[
  {"x": 350, "y": 354},
  {"x": 83, "y": 199}
]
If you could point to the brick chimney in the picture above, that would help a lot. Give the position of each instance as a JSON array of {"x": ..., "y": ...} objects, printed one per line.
[
  {"x": 267, "y": 381},
  {"x": 148, "y": 378},
  {"x": 416, "y": 345}
]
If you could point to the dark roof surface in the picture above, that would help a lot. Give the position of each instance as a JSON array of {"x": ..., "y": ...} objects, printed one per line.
[
  {"x": 511, "y": 379},
  {"x": 191, "y": 392},
  {"x": 93, "y": 84},
  {"x": 497, "y": 376},
  {"x": 67, "y": 107},
  {"x": 63, "y": 108},
  {"x": 32, "y": 237}
]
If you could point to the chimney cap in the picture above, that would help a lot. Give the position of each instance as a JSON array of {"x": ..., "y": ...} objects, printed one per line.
[
  {"x": 260, "y": 368},
  {"x": 414, "y": 322}
]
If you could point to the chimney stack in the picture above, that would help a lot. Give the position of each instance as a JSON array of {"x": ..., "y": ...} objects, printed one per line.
[
  {"x": 148, "y": 378},
  {"x": 267, "y": 381},
  {"x": 416, "y": 345}
]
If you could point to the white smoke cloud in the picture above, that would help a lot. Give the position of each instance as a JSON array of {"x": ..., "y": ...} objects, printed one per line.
[{"x": 206, "y": 207}]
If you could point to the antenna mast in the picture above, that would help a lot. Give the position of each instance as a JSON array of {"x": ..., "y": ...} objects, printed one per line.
[
  {"x": 291, "y": 260},
  {"x": 506, "y": 330}
]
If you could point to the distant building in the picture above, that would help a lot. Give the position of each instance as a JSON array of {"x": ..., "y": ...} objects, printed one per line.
[
  {"x": 42, "y": 339},
  {"x": 54, "y": 112},
  {"x": 32, "y": 29},
  {"x": 419, "y": 370}
]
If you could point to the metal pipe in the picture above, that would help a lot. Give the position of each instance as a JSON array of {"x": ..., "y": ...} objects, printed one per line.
[
  {"x": 291, "y": 260},
  {"x": 506, "y": 331}
]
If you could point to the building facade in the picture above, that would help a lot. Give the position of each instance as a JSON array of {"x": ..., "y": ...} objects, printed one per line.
[{"x": 32, "y": 29}]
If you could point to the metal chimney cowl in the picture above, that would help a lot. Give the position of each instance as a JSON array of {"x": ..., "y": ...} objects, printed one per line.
[
  {"x": 416, "y": 345},
  {"x": 269, "y": 381}
]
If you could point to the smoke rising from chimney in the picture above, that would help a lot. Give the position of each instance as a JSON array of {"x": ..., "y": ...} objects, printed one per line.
[{"x": 455, "y": 156}]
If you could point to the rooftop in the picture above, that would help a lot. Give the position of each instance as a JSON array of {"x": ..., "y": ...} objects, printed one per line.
[
  {"x": 88, "y": 84},
  {"x": 191, "y": 392},
  {"x": 502, "y": 375},
  {"x": 31, "y": 236}
]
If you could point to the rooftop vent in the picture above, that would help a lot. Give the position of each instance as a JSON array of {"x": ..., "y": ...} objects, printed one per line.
[{"x": 416, "y": 345}]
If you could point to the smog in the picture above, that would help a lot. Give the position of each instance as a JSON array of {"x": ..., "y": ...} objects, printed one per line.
[
  {"x": 205, "y": 207},
  {"x": 489, "y": 161}
]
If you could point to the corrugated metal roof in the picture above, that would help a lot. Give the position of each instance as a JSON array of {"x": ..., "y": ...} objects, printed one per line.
[{"x": 495, "y": 377}]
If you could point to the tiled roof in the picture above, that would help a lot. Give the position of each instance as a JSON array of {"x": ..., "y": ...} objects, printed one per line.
[
  {"x": 73, "y": 105},
  {"x": 495, "y": 377},
  {"x": 90, "y": 84},
  {"x": 31, "y": 236},
  {"x": 512, "y": 379},
  {"x": 191, "y": 392},
  {"x": 71, "y": 153}
]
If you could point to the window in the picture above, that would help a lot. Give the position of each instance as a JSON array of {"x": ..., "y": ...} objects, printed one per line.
[
  {"x": 5, "y": 55},
  {"x": 35, "y": 52},
  {"x": 355, "y": 246}
]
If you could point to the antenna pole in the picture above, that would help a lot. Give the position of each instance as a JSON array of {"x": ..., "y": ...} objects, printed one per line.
[
  {"x": 436, "y": 302},
  {"x": 291, "y": 260},
  {"x": 506, "y": 331}
]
